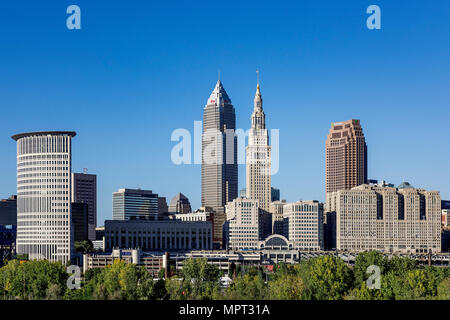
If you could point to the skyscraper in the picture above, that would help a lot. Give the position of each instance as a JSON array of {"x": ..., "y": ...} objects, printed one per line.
[
  {"x": 44, "y": 164},
  {"x": 84, "y": 189},
  {"x": 258, "y": 156},
  {"x": 346, "y": 156},
  {"x": 219, "y": 156}
]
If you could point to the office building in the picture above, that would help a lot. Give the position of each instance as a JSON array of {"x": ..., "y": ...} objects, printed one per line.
[
  {"x": 80, "y": 221},
  {"x": 276, "y": 209},
  {"x": 345, "y": 156},
  {"x": 246, "y": 224},
  {"x": 219, "y": 157},
  {"x": 162, "y": 205},
  {"x": 152, "y": 262},
  {"x": 258, "y": 156},
  {"x": 99, "y": 233},
  {"x": 136, "y": 204},
  {"x": 303, "y": 225},
  {"x": 7, "y": 242},
  {"x": 445, "y": 214},
  {"x": 275, "y": 194},
  {"x": 445, "y": 204},
  {"x": 180, "y": 204},
  {"x": 329, "y": 231},
  {"x": 44, "y": 165},
  {"x": 84, "y": 189},
  {"x": 394, "y": 220},
  {"x": 8, "y": 211},
  {"x": 194, "y": 216},
  {"x": 167, "y": 234}
]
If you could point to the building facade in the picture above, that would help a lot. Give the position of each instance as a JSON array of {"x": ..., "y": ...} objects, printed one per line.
[
  {"x": 219, "y": 156},
  {"x": 345, "y": 156},
  {"x": 8, "y": 211},
  {"x": 44, "y": 165},
  {"x": 445, "y": 214},
  {"x": 84, "y": 189},
  {"x": 276, "y": 209},
  {"x": 136, "y": 204},
  {"x": 180, "y": 204},
  {"x": 303, "y": 225},
  {"x": 258, "y": 157},
  {"x": 169, "y": 234},
  {"x": 394, "y": 220},
  {"x": 246, "y": 224},
  {"x": 80, "y": 221},
  {"x": 275, "y": 194}
]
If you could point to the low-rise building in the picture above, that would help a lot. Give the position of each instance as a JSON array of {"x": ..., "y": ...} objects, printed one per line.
[
  {"x": 168, "y": 234},
  {"x": 152, "y": 262}
]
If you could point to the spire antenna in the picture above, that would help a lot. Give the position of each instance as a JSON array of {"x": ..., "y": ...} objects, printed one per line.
[
  {"x": 257, "y": 77},
  {"x": 218, "y": 74}
]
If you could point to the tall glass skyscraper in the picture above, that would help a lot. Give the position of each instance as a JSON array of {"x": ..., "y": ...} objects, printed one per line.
[
  {"x": 44, "y": 164},
  {"x": 219, "y": 156}
]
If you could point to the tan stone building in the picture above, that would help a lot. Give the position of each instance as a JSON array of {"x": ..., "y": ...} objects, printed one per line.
[
  {"x": 276, "y": 209},
  {"x": 346, "y": 156},
  {"x": 246, "y": 224},
  {"x": 398, "y": 220},
  {"x": 258, "y": 157},
  {"x": 303, "y": 225}
]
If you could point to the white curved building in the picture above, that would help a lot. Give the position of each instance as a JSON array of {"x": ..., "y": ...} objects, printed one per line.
[{"x": 44, "y": 162}]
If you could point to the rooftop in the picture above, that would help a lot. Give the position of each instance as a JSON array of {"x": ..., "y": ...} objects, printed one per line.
[{"x": 43, "y": 133}]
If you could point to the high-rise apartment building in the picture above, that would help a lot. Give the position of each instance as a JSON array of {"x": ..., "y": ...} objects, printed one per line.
[
  {"x": 246, "y": 224},
  {"x": 219, "y": 157},
  {"x": 303, "y": 225},
  {"x": 44, "y": 165},
  {"x": 8, "y": 211},
  {"x": 84, "y": 189},
  {"x": 136, "y": 204},
  {"x": 346, "y": 156},
  {"x": 402, "y": 219},
  {"x": 258, "y": 157}
]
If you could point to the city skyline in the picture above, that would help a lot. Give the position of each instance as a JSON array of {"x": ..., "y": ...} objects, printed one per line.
[{"x": 294, "y": 94}]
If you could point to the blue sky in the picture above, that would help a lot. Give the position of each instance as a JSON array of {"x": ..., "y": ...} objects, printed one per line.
[{"x": 137, "y": 70}]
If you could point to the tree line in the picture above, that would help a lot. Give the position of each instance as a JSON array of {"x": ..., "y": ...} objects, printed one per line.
[{"x": 321, "y": 278}]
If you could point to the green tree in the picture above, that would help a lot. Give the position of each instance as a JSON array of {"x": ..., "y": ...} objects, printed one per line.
[
  {"x": 326, "y": 278},
  {"x": 363, "y": 261},
  {"x": 250, "y": 286},
  {"x": 443, "y": 290},
  {"x": 200, "y": 279},
  {"x": 84, "y": 246}
]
